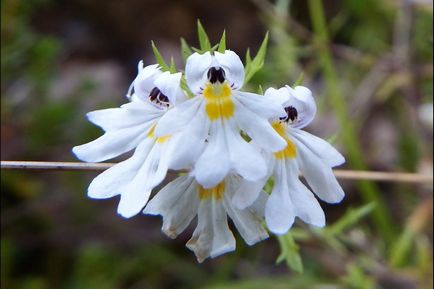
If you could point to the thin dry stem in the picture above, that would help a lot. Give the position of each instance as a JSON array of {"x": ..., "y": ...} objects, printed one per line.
[{"x": 340, "y": 174}]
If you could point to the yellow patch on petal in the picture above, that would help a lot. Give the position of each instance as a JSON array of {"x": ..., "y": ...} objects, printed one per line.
[
  {"x": 215, "y": 192},
  {"x": 161, "y": 139},
  {"x": 218, "y": 101},
  {"x": 290, "y": 151}
]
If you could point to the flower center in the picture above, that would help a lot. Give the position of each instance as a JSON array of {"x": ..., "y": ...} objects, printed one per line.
[
  {"x": 158, "y": 98},
  {"x": 216, "y": 74},
  {"x": 219, "y": 104},
  {"x": 291, "y": 114},
  {"x": 290, "y": 151},
  {"x": 215, "y": 192}
]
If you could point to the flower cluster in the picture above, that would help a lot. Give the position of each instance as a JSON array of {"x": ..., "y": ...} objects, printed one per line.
[{"x": 229, "y": 142}]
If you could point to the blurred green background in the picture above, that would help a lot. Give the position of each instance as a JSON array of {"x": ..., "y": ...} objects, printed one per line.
[{"x": 369, "y": 64}]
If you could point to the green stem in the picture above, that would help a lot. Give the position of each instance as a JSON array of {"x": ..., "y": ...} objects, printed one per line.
[{"x": 369, "y": 190}]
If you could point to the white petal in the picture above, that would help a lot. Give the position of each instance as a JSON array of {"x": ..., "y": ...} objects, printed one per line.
[
  {"x": 110, "y": 182},
  {"x": 212, "y": 236},
  {"x": 246, "y": 222},
  {"x": 125, "y": 116},
  {"x": 136, "y": 194},
  {"x": 301, "y": 98},
  {"x": 169, "y": 85},
  {"x": 245, "y": 159},
  {"x": 258, "y": 128},
  {"x": 214, "y": 164},
  {"x": 260, "y": 105},
  {"x": 233, "y": 67},
  {"x": 178, "y": 117},
  {"x": 144, "y": 81},
  {"x": 318, "y": 175},
  {"x": 279, "y": 210},
  {"x": 111, "y": 144},
  {"x": 307, "y": 206},
  {"x": 279, "y": 96},
  {"x": 190, "y": 142},
  {"x": 196, "y": 68},
  {"x": 247, "y": 193},
  {"x": 325, "y": 151},
  {"x": 177, "y": 203}
]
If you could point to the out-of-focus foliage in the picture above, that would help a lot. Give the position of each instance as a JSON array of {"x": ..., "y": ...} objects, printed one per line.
[{"x": 61, "y": 59}]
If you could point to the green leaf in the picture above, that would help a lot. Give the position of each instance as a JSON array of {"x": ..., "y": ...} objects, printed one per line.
[
  {"x": 253, "y": 66},
  {"x": 222, "y": 43},
  {"x": 289, "y": 252},
  {"x": 185, "y": 49},
  {"x": 204, "y": 43},
  {"x": 172, "y": 67},
  {"x": 351, "y": 217},
  {"x": 299, "y": 80},
  {"x": 159, "y": 58}
]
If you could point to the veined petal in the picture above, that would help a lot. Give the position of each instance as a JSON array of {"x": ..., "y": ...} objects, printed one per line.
[
  {"x": 233, "y": 67},
  {"x": 325, "y": 151},
  {"x": 302, "y": 100},
  {"x": 306, "y": 205},
  {"x": 196, "y": 68},
  {"x": 279, "y": 210},
  {"x": 178, "y": 117},
  {"x": 212, "y": 236},
  {"x": 318, "y": 175},
  {"x": 259, "y": 129},
  {"x": 260, "y": 105},
  {"x": 177, "y": 203},
  {"x": 111, "y": 144},
  {"x": 169, "y": 85},
  {"x": 246, "y": 222},
  {"x": 110, "y": 182},
  {"x": 214, "y": 163}
]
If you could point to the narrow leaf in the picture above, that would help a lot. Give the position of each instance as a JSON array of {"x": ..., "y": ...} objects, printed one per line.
[
  {"x": 185, "y": 49},
  {"x": 351, "y": 217},
  {"x": 299, "y": 80},
  {"x": 159, "y": 58},
  {"x": 222, "y": 43},
  {"x": 289, "y": 252},
  {"x": 258, "y": 61},
  {"x": 204, "y": 43},
  {"x": 172, "y": 67}
]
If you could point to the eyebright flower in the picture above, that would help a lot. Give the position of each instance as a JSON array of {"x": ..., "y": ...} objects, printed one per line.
[
  {"x": 216, "y": 114},
  {"x": 184, "y": 198},
  {"x": 130, "y": 127},
  {"x": 304, "y": 153}
]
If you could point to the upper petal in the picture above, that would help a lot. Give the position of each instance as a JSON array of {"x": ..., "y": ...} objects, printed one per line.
[
  {"x": 144, "y": 81},
  {"x": 196, "y": 68},
  {"x": 302, "y": 100},
  {"x": 233, "y": 67},
  {"x": 169, "y": 85}
]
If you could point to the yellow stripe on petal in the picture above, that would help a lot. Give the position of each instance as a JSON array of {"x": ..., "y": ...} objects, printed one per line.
[
  {"x": 151, "y": 134},
  {"x": 215, "y": 192},
  {"x": 290, "y": 151},
  {"x": 218, "y": 101}
]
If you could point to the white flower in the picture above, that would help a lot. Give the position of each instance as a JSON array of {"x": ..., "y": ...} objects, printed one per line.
[
  {"x": 304, "y": 153},
  {"x": 217, "y": 114},
  {"x": 182, "y": 199},
  {"x": 132, "y": 127}
]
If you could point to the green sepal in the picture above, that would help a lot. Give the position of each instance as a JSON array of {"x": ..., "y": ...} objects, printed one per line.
[
  {"x": 204, "y": 43},
  {"x": 222, "y": 43},
  {"x": 255, "y": 64},
  {"x": 159, "y": 58}
]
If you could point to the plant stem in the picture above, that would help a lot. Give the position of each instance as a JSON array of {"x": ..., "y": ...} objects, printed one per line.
[{"x": 369, "y": 191}]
